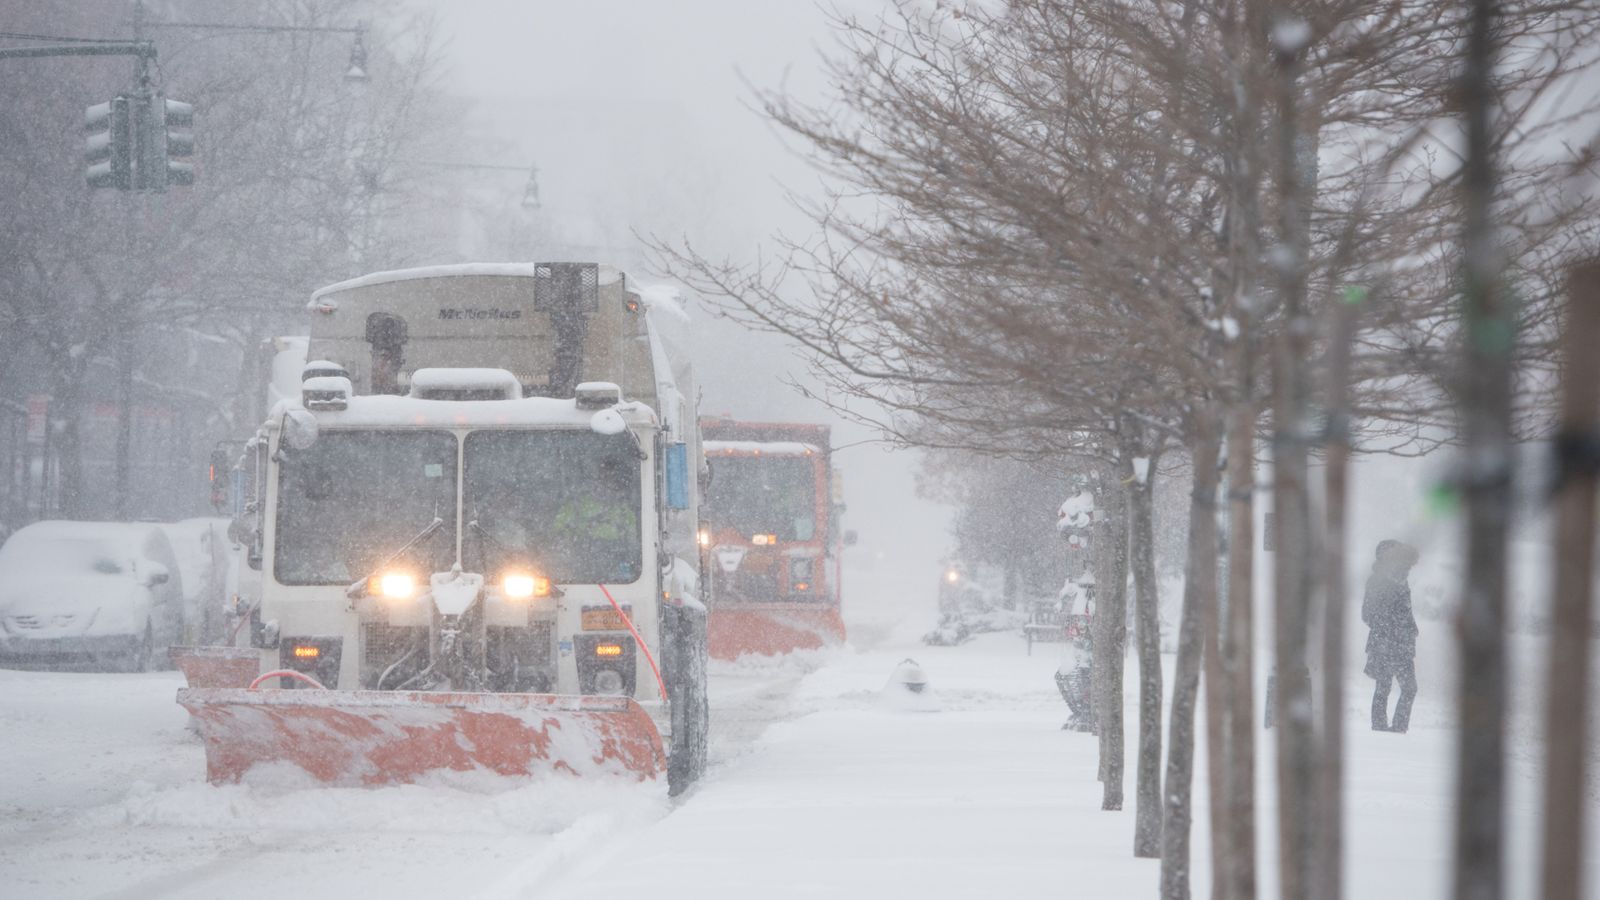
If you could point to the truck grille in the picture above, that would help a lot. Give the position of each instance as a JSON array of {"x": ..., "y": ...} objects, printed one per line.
[{"x": 383, "y": 644}]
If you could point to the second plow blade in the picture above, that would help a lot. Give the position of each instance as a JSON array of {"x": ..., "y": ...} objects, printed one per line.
[
  {"x": 355, "y": 738},
  {"x": 771, "y": 629}
]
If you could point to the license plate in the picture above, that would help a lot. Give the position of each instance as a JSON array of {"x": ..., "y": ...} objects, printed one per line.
[{"x": 604, "y": 619}]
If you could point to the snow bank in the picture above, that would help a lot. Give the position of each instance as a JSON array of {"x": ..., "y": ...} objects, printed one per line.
[{"x": 455, "y": 803}]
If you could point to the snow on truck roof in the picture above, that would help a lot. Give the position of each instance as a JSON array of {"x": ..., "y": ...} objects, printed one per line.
[
  {"x": 378, "y": 411},
  {"x": 760, "y": 448},
  {"x": 608, "y": 275}
]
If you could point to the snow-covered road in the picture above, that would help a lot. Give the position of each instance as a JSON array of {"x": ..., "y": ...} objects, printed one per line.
[
  {"x": 820, "y": 787},
  {"x": 102, "y": 794}
]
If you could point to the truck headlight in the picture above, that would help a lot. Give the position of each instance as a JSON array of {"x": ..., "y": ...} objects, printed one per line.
[
  {"x": 396, "y": 585},
  {"x": 521, "y": 586}
]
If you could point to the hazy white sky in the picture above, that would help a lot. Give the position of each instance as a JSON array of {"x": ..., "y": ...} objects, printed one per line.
[{"x": 637, "y": 113}]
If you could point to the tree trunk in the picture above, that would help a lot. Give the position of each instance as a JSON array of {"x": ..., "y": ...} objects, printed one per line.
[
  {"x": 1572, "y": 600},
  {"x": 1236, "y": 857},
  {"x": 1217, "y": 711},
  {"x": 1295, "y": 565},
  {"x": 1199, "y": 592},
  {"x": 1238, "y": 655},
  {"x": 1147, "y": 632},
  {"x": 1111, "y": 636},
  {"x": 1292, "y": 692},
  {"x": 1330, "y": 771},
  {"x": 1489, "y": 328}
]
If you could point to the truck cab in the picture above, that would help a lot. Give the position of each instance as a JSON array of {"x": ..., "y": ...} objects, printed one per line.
[{"x": 483, "y": 485}]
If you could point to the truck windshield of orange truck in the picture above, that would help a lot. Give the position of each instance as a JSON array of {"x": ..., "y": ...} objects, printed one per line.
[{"x": 768, "y": 497}]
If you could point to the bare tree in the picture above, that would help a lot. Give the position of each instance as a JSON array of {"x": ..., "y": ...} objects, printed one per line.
[{"x": 1047, "y": 226}]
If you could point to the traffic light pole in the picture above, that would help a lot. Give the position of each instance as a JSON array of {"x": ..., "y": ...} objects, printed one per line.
[
  {"x": 145, "y": 50},
  {"x": 123, "y": 459}
]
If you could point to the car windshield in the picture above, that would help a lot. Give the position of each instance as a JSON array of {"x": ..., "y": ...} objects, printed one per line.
[
  {"x": 763, "y": 495},
  {"x": 352, "y": 499},
  {"x": 564, "y": 504}
]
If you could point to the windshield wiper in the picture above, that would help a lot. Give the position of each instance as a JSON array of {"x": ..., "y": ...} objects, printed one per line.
[{"x": 358, "y": 587}]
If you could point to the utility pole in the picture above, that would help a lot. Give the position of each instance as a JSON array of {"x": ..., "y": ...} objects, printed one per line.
[{"x": 125, "y": 341}]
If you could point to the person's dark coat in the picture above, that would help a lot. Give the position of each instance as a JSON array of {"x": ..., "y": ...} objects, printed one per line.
[{"x": 1392, "y": 634}]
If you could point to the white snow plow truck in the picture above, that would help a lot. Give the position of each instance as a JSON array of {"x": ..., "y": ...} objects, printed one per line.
[{"x": 475, "y": 537}]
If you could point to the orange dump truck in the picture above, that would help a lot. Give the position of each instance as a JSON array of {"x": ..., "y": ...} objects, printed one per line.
[{"x": 770, "y": 538}]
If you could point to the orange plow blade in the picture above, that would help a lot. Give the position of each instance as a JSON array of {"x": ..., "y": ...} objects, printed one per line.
[
  {"x": 771, "y": 629},
  {"x": 381, "y": 737},
  {"x": 216, "y": 667}
]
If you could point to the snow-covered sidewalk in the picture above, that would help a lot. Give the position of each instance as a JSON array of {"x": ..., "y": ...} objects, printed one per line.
[
  {"x": 985, "y": 797},
  {"x": 988, "y": 797}
]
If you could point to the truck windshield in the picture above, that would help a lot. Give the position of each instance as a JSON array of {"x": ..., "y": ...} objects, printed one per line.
[
  {"x": 763, "y": 495},
  {"x": 354, "y": 498},
  {"x": 562, "y": 503}
]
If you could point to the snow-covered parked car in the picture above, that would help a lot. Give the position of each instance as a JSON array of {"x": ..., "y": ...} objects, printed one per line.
[
  {"x": 204, "y": 554},
  {"x": 109, "y": 593}
]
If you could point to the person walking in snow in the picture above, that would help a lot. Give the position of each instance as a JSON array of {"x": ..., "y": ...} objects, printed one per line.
[{"x": 1392, "y": 634}]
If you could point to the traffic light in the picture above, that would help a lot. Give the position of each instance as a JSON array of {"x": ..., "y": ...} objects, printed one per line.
[
  {"x": 138, "y": 143},
  {"x": 177, "y": 125},
  {"x": 109, "y": 146},
  {"x": 163, "y": 129}
]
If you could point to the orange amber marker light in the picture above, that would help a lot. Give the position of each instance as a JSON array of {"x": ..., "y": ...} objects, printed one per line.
[
  {"x": 608, "y": 650},
  {"x": 307, "y": 652}
]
